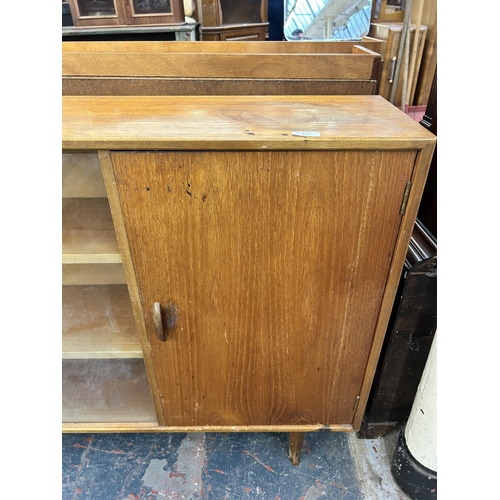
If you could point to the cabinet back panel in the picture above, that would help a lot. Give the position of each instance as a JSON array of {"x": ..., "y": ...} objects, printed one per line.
[
  {"x": 81, "y": 176},
  {"x": 276, "y": 262},
  {"x": 88, "y": 235}
]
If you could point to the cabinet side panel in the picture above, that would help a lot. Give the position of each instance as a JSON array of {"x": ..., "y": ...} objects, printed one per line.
[{"x": 276, "y": 263}]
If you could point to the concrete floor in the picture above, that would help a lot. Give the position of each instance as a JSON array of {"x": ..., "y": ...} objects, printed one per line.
[{"x": 223, "y": 466}]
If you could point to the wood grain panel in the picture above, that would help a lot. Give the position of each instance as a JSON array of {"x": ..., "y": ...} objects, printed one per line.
[
  {"x": 88, "y": 235},
  {"x": 81, "y": 176},
  {"x": 98, "y": 322},
  {"x": 377, "y": 60},
  {"x": 105, "y": 390},
  {"x": 277, "y": 263},
  {"x": 256, "y": 47},
  {"x": 93, "y": 274},
  {"x": 239, "y": 122},
  {"x": 190, "y": 64}
]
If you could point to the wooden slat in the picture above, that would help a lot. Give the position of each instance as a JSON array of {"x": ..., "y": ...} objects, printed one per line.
[
  {"x": 241, "y": 122},
  {"x": 418, "y": 72},
  {"x": 151, "y": 86},
  {"x": 98, "y": 322},
  {"x": 105, "y": 390},
  {"x": 88, "y": 235},
  {"x": 242, "y": 47},
  {"x": 81, "y": 176},
  {"x": 377, "y": 60},
  {"x": 93, "y": 274},
  {"x": 69, "y": 428},
  {"x": 224, "y": 65}
]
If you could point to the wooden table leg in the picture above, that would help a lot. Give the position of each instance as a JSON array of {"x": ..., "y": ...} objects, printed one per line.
[{"x": 295, "y": 445}]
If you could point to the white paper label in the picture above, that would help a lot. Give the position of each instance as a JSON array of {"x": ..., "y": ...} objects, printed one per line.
[{"x": 306, "y": 133}]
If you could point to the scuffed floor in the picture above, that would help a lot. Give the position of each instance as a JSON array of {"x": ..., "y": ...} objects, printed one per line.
[{"x": 220, "y": 466}]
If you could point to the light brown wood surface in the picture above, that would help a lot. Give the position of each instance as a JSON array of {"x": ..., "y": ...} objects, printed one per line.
[
  {"x": 221, "y": 65},
  {"x": 88, "y": 427},
  {"x": 414, "y": 65},
  {"x": 98, "y": 322},
  {"x": 258, "y": 47},
  {"x": 81, "y": 176},
  {"x": 377, "y": 61},
  {"x": 93, "y": 274},
  {"x": 105, "y": 390},
  {"x": 277, "y": 264},
  {"x": 88, "y": 235},
  {"x": 392, "y": 33},
  {"x": 237, "y": 122},
  {"x": 419, "y": 70},
  {"x": 391, "y": 38},
  {"x": 218, "y": 68},
  {"x": 250, "y": 123},
  {"x": 429, "y": 52}
]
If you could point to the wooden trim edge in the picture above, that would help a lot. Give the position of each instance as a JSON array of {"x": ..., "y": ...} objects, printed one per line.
[
  {"x": 85, "y": 427},
  {"x": 114, "y": 202},
  {"x": 419, "y": 176}
]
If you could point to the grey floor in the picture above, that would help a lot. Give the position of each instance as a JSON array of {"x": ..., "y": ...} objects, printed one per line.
[{"x": 224, "y": 466}]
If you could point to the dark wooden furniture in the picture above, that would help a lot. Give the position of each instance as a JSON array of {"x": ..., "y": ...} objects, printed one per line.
[
  {"x": 91, "y": 13},
  {"x": 166, "y": 32},
  {"x": 261, "y": 240},
  {"x": 233, "y": 21}
]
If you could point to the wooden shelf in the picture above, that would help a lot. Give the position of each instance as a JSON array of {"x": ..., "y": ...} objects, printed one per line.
[
  {"x": 88, "y": 235},
  {"x": 82, "y": 176},
  {"x": 93, "y": 274},
  {"x": 110, "y": 390},
  {"x": 98, "y": 322}
]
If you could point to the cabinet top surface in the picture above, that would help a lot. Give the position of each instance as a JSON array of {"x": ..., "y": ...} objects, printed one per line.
[{"x": 237, "y": 123}]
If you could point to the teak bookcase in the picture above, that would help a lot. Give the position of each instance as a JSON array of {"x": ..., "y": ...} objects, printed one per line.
[{"x": 230, "y": 263}]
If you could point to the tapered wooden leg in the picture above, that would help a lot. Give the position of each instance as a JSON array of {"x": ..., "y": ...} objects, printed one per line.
[{"x": 295, "y": 445}]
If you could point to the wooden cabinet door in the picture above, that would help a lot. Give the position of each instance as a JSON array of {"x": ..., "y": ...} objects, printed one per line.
[{"x": 276, "y": 263}]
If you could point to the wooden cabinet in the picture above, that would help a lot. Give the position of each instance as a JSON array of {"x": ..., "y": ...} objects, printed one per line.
[
  {"x": 87, "y": 13},
  {"x": 223, "y": 20},
  {"x": 391, "y": 33},
  {"x": 261, "y": 240}
]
